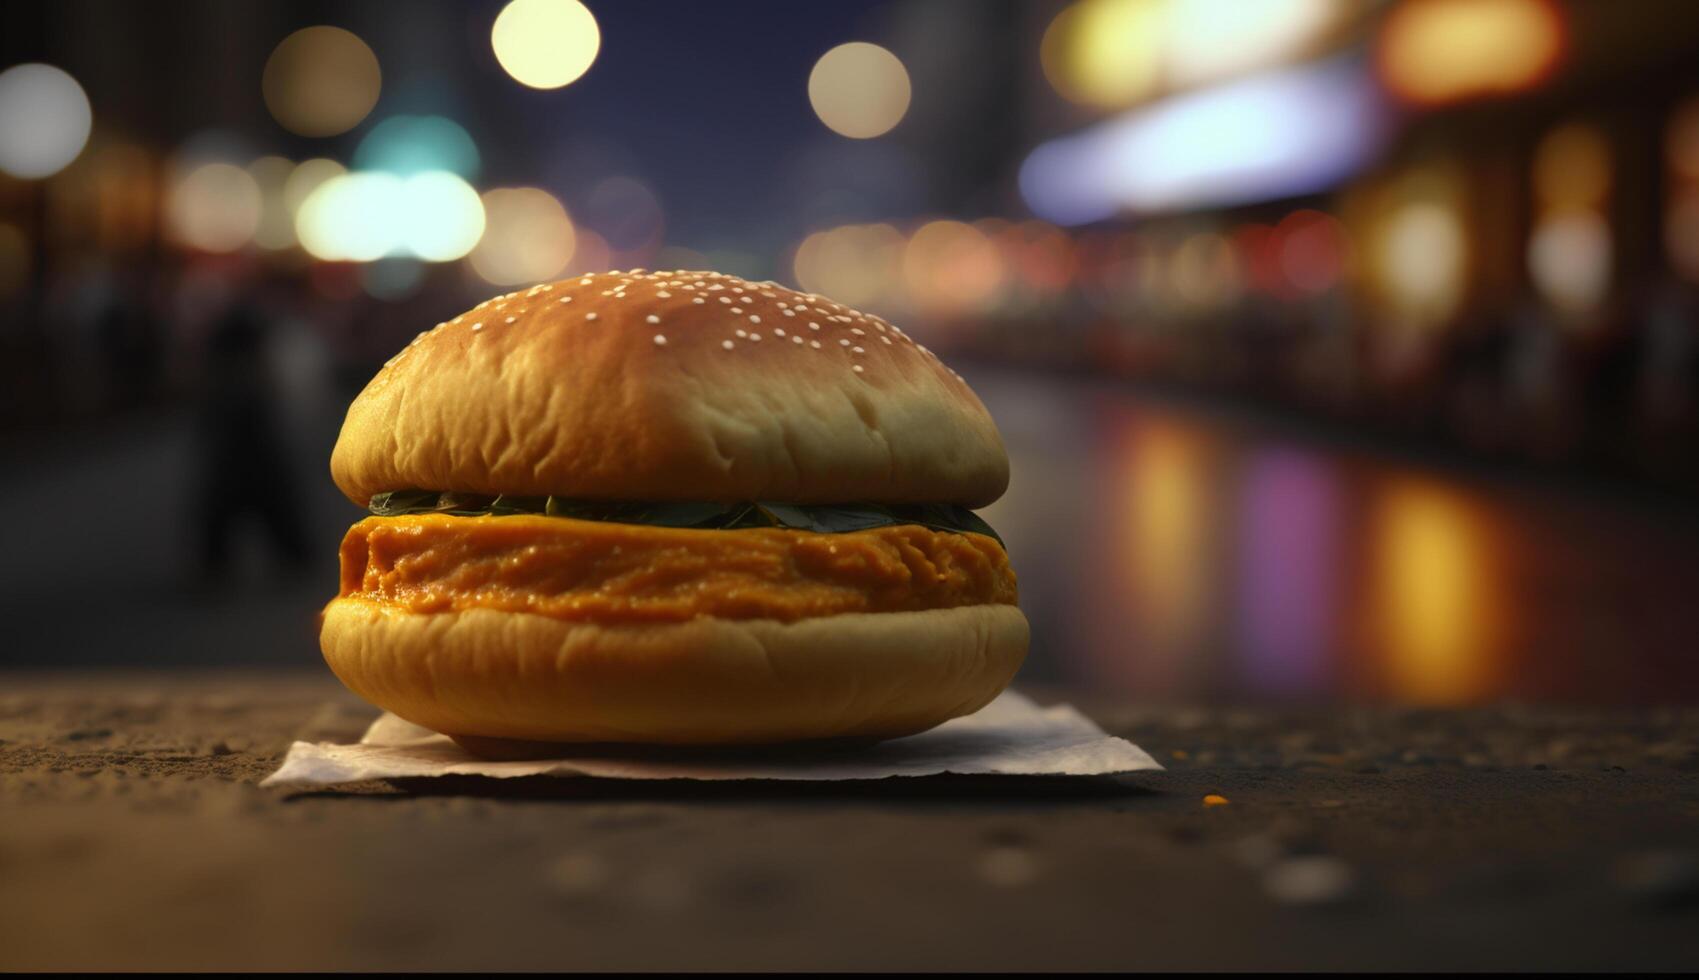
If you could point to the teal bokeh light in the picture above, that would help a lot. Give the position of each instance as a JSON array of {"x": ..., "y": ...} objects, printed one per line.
[{"x": 407, "y": 145}]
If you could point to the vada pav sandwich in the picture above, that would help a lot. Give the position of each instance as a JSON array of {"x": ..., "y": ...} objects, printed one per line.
[{"x": 671, "y": 507}]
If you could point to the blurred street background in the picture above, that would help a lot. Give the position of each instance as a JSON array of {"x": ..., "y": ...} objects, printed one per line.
[{"x": 1346, "y": 350}]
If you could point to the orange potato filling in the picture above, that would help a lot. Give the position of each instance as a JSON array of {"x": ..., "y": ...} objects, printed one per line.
[{"x": 627, "y": 573}]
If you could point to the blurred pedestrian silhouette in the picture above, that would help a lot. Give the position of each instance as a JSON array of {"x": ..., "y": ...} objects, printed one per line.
[{"x": 243, "y": 462}]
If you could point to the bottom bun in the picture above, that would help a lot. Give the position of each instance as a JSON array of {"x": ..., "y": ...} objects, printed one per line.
[{"x": 505, "y": 675}]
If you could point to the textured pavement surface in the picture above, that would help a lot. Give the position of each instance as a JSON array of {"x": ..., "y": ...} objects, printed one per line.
[{"x": 133, "y": 836}]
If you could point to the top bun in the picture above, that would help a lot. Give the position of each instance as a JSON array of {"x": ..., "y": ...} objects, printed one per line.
[{"x": 670, "y": 386}]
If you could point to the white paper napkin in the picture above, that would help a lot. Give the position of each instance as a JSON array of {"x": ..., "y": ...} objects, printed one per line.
[{"x": 1011, "y": 736}]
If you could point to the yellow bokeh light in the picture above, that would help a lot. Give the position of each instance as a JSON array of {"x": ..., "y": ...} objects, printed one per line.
[
  {"x": 1421, "y": 258},
  {"x": 352, "y": 218},
  {"x": 305, "y": 178},
  {"x": 1434, "y": 51},
  {"x": 214, "y": 207},
  {"x": 856, "y": 264},
  {"x": 1105, "y": 52},
  {"x": 528, "y": 237},
  {"x": 1572, "y": 168},
  {"x": 859, "y": 90},
  {"x": 545, "y": 43},
  {"x": 321, "y": 81},
  {"x": 1433, "y": 600}
]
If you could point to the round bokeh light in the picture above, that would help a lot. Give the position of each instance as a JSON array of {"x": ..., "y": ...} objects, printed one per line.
[
  {"x": 545, "y": 43},
  {"x": 215, "y": 207},
  {"x": 859, "y": 90},
  {"x": 321, "y": 81},
  {"x": 530, "y": 237},
  {"x": 44, "y": 120}
]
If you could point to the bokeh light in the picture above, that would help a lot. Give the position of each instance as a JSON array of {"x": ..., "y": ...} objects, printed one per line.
[
  {"x": 407, "y": 145},
  {"x": 951, "y": 268},
  {"x": 1681, "y": 218},
  {"x": 1569, "y": 260},
  {"x": 304, "y": 179},
  {"x": 545, "y": 43},
  {"x": 1104, "y": 52},
  {"x": 276, "y": 229},
  {"x": 529, "y": 237},
  {"x": 1572, "y": 168},
  {"x": 443, "y": 217},
  {"x": 44, "y": 120},
  {"x": 1421, "y": 255},
  {"x": 860, "y": 265},
  {"x": 352, "y": 217},
  {"x": 1431, "y": 597},
  {"x": 1314, "y": 249},
  {"x": 1204, "y": 273},
  {"x": 321, "y": 81},
  {"x": 1681, "y": 234},
  {"x": 859, "y": 90},
  {"x": 1211, "y": 39},
  {"x": 215, "y": 207},
  {"x": 1436, "y": 51},
  {"x": 1281, "y": 133},
  {"x": 365, "y": 216},
  {"x": 1681, "y": 144}
]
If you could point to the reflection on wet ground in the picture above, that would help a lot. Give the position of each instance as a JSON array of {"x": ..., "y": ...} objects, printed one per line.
[{"x": 1168, "y": 551}]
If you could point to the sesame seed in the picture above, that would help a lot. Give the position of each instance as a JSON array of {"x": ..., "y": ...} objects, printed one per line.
[
  {"x": 660, "y": 340},
  {"x": 813, "y": 326},
  {"x": 754, "y": 338},
  {"x": 814, "y": 344},
  {"x": 887, "y": 340},
  {"x": 737, "y": 309},
  {"x": 664, "y": 294},
  {"x": 856, "y": 368},
  {"x": 742, "y": 333},
  {"x": 795, "y": 339},
  {"x": 699, "y": 300},
  {"x": 477, "y": 326},
  {"x": 652, "y": 318},
  {"x": 857, "y": 331},
  {"x": 754, "y": 318},
  {"x": 858, "y": 350},
  {"x": 788, "y": 312},
  {"x": 589, "y": 316},
  {"x": 727, "y": 344},
  {"x": 512, "y": 319},
  {"x": 566, "y": 299},
  {"x": 726, "y": 300},
  {"x": 778, "y": 331},
  {"x": 843, "y": 343}
]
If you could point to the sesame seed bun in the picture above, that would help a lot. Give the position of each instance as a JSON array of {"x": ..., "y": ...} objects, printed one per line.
[
  {"x": 505, "y": 675},
  {"x": 671, "y": 386}
]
